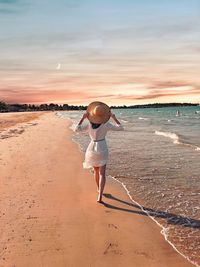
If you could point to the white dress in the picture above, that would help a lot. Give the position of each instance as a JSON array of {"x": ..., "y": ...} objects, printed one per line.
[{"x": 96, "y": 154}]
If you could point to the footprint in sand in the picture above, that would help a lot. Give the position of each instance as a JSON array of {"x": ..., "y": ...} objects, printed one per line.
[
  {"x": 5, "y": 136},
  {"x": 111, "y": 225},
  {"x": 12, "y": 133},
  {"x": 32, "y": 124},
  {"x": 144, "y": 254},
  {"x": 113, "y": 249}
]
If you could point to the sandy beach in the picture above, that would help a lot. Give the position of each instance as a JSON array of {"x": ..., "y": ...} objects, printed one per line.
[{"x": 49, "y": 216}]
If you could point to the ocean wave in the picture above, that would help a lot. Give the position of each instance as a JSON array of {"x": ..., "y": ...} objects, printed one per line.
[
  {"x": 59, "y": 114},
  {"x": 124, "y": 121},
  {"x": 173, "y": 136},
  {"x": 143, "y": 118},
  {"x": 176, "y": 139}
]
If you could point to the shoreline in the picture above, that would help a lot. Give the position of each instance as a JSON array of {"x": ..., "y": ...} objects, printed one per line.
[
  {"x": 54, "y": 219},
  {"x": 163, "y": 229}
]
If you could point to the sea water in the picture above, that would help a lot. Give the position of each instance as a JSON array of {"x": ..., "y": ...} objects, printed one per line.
[{"x": 157, "y": 159}]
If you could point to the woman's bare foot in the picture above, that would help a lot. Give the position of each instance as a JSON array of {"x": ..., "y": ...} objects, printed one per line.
[{"x": 99, "y": 199}]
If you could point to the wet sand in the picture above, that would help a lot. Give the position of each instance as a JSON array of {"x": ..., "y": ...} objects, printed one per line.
[{"x": 48, "y": 211}]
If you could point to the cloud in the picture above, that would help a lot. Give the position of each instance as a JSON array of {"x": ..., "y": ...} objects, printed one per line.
[
  {"x": 168, "y": 84},
  {"x": 156, "y": 93},
  {"x": 110, "y": 92},
  {"x": 33, "y": 95}
]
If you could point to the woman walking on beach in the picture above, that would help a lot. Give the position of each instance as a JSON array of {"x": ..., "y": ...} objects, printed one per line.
[{"x": 96, "y": 156}]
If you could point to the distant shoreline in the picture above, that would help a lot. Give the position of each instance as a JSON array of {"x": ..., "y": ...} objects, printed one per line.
[{"x": 4, "y": 107}]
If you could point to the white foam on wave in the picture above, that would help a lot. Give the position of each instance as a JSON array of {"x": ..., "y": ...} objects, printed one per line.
[
  {"x": 125, "y": 121},
  {"x": 164, "y": 230},
  {"x": 143, "y": 118},
  {"x": 72, "y": 120},
  {"x": 59, "y": 114},
  {"x": 72, "y": 127},
  {"x": 81, "y": 148},
  {"x": 173, "y": 136},
  {"x": 176, "y": 139}
]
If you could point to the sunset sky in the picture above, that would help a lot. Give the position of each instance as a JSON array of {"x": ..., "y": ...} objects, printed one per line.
[{"x": 117, "y": 51}]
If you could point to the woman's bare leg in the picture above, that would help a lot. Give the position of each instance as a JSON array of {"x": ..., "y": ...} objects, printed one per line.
[
  {"x": 102, "y": 181},
  {"x": 96, "y": 176}
]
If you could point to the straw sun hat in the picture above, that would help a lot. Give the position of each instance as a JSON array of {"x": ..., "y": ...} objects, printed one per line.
[{"x": 98, "y": 112}]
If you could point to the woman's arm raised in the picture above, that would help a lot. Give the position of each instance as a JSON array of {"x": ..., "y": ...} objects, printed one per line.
[
  {"x": 85, "y": 115},
  {"x": 115, "y": 119},
  {"x": 117, "y": 127},
  {"x": 79, "y": 126}
]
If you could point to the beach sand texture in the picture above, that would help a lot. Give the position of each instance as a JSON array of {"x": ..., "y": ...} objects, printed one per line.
[{"x": 49, "y": 216}]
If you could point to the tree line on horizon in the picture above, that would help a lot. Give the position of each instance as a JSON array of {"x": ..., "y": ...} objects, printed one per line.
[{"x": 4, "y": 107}]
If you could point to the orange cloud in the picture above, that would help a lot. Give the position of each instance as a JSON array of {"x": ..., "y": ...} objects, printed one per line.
[
  {"x": 113, "y": 93},
  {"x": 33, "y": 95},
  {"x": 163, "y": 92}
]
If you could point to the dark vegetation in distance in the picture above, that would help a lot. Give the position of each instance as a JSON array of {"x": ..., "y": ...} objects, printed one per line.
[{"x": 4, "y": 107}]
